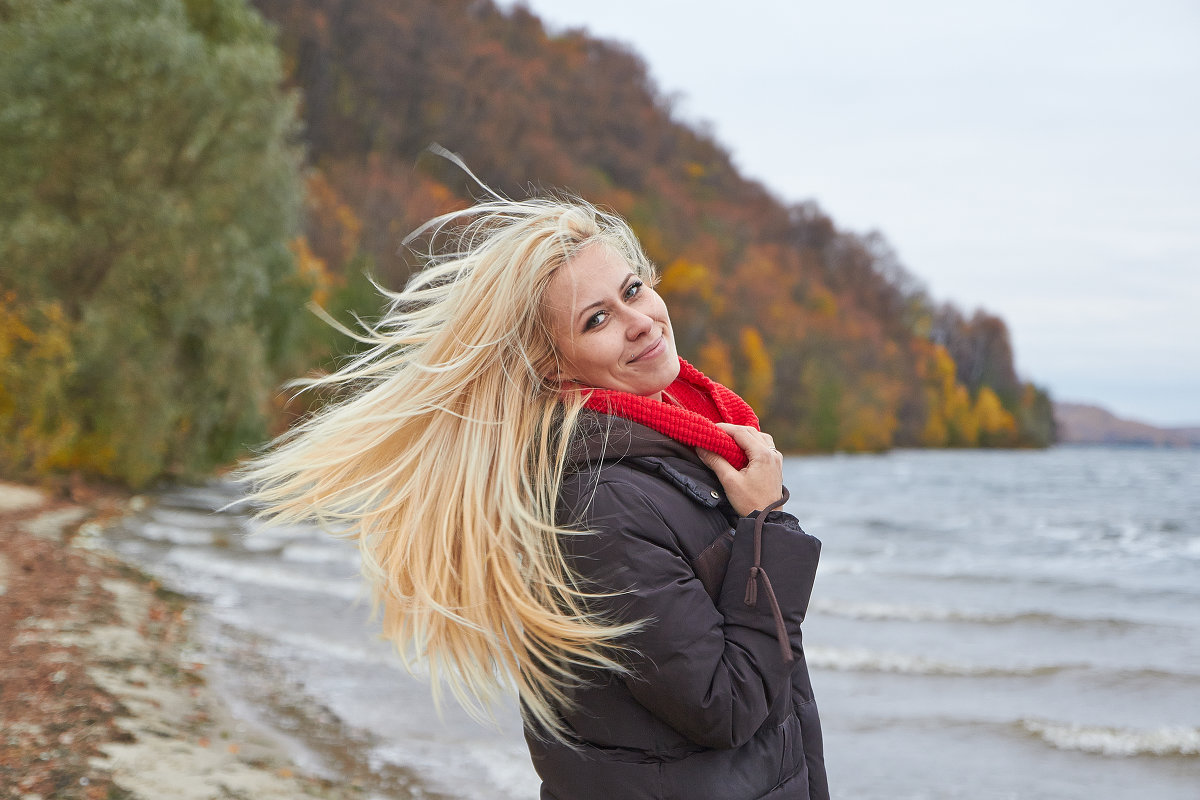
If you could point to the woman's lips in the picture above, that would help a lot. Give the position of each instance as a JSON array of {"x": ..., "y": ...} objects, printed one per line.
[{"x": 653, "y": 350}]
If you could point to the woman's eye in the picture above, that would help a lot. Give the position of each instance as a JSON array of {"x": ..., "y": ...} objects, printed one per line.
[
  {"x": 633, "y": 289},
  {"x": 596, "y": 319}
]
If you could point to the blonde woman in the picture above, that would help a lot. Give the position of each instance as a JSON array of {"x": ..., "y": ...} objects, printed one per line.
[{"x": 547, "y": 498}]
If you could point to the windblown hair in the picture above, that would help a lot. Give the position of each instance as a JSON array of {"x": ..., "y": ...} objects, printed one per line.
[{"x": 444, "y": 458}]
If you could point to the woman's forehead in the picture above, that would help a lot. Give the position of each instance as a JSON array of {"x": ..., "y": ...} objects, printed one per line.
[{"x": 592, "y": 268}]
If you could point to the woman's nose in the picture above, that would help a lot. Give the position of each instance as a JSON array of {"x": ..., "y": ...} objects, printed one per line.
[{"x": 639, "y": 324}]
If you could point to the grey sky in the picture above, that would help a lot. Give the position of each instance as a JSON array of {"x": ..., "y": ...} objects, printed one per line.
[{"x": 1039, "y": 159}]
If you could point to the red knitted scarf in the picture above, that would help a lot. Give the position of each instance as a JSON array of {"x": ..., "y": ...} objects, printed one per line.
[{"x": 702, "y": 402}]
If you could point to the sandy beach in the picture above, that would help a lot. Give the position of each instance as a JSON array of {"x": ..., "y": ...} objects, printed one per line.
[{"x": 98, "y": 695}]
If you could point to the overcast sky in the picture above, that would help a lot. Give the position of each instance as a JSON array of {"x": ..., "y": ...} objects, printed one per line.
[{"x": 1038, "y": 159}]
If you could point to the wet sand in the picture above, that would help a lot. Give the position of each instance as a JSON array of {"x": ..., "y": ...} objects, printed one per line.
[{"x": 99, "y": 697}]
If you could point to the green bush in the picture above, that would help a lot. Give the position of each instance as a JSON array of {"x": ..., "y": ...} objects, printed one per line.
[{"x": 151, "y": 168}]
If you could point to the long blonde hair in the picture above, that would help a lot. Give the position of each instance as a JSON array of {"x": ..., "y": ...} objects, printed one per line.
[{"x": 444, "y": 458}]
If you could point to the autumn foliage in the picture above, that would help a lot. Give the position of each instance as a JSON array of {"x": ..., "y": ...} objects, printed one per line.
[
  {"x": 824, "y": 331},
  {"x": 154, "y": 272}
]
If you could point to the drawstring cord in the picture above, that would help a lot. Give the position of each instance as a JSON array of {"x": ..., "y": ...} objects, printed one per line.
[{"x": 757, "y": 572}]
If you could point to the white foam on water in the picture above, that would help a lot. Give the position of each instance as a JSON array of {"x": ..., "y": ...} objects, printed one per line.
[
  {"x": 473, "y": 768},
  {"x": 889, "y": 612},
  {"x": 508, "y": 767},
  {"x": 880, "y": 611},
  {"x": 258, "y": 538},
  {"x": 263, "y": 575},
  {"x": 191, "y": 537},
  {"x": 329, "y": 553},
  {"x": 221, "y": 496},
  {"x": 853, "y": 659},
  {"x": 346, "y": 651},
  {"x": 1122, "y": 742},
  {"x": 833, "y": 566},
  {"x": 1057, "y": 533},
  {"x": 185, "y": 518}
]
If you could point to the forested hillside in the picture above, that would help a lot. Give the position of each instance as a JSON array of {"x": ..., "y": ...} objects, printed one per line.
[
  {"x": 822, "y": 330},
  {"x": 170, "y": 204},
  {"x": 151, "y": 182}
]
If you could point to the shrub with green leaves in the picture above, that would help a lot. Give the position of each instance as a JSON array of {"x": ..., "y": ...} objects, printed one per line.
[{"x": 150, "y": 168}]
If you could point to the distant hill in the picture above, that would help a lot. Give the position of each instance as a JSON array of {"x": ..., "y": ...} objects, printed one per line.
[{"x": 1086, "y": 424}]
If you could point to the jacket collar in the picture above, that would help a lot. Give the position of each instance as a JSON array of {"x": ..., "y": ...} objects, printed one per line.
[{"x": 605, "y": 439}]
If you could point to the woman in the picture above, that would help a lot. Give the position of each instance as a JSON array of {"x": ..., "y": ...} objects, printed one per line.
[{"x": 545, "y": 495}]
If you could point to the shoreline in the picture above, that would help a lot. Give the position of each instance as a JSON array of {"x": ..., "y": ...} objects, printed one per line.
[{"x": 101, "y": 695}]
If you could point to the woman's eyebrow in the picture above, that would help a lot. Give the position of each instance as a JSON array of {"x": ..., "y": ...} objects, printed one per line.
[{"x": 583, "y": 311}]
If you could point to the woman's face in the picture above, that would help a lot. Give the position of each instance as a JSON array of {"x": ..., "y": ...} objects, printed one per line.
[{"x": 611, "y": 331}]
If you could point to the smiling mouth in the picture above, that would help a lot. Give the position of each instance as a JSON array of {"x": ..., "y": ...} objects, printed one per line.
[{"x": 651, "y": 351}]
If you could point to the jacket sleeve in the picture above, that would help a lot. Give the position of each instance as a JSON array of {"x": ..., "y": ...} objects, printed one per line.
[{"x": 710, "y": 671}]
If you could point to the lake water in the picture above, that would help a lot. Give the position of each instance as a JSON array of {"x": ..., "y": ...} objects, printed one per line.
[{"x": 984, "y": 625}]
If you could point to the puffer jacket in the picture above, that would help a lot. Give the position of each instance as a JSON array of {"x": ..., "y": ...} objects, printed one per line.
[{"x": 717, "y": 704}]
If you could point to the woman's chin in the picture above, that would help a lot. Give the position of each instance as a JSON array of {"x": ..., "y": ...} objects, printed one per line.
[{"x": 663, "y": 379}]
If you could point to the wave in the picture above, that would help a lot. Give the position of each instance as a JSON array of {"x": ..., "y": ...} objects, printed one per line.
[
  {"x": 860, "y": 659},
  {"x": 325, "y": 553},
  {"x": 353, "y": 652},
  {"x": 258, "y": 538},
  {"x": 1176, "y": 740},
  {"x": 863, "y": 660},
  {"x": 1152, "y": 588},
  {"x": 174, "y": 534},
  {"x": 835, "y": 566},
  {"x": 265, "y": 576},
  {"x": 914, "y": 613},
  {"x": 217, "y": 498}
]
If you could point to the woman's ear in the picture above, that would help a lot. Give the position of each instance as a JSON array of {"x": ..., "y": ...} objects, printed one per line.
[
  {"x": 556, "y": 381},
  {"x": 557, "y": 372}
]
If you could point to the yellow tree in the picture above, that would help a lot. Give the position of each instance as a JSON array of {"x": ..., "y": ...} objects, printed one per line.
[
  {"x": 997, "y": 427},
  {"x": 758, "y": 374}
]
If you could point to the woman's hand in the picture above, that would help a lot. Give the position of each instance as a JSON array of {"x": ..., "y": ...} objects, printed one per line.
[{"x": 759, "y": 483}]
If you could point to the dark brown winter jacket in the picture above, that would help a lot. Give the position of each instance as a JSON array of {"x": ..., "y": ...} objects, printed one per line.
[{"x": 711, "y": 709}]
